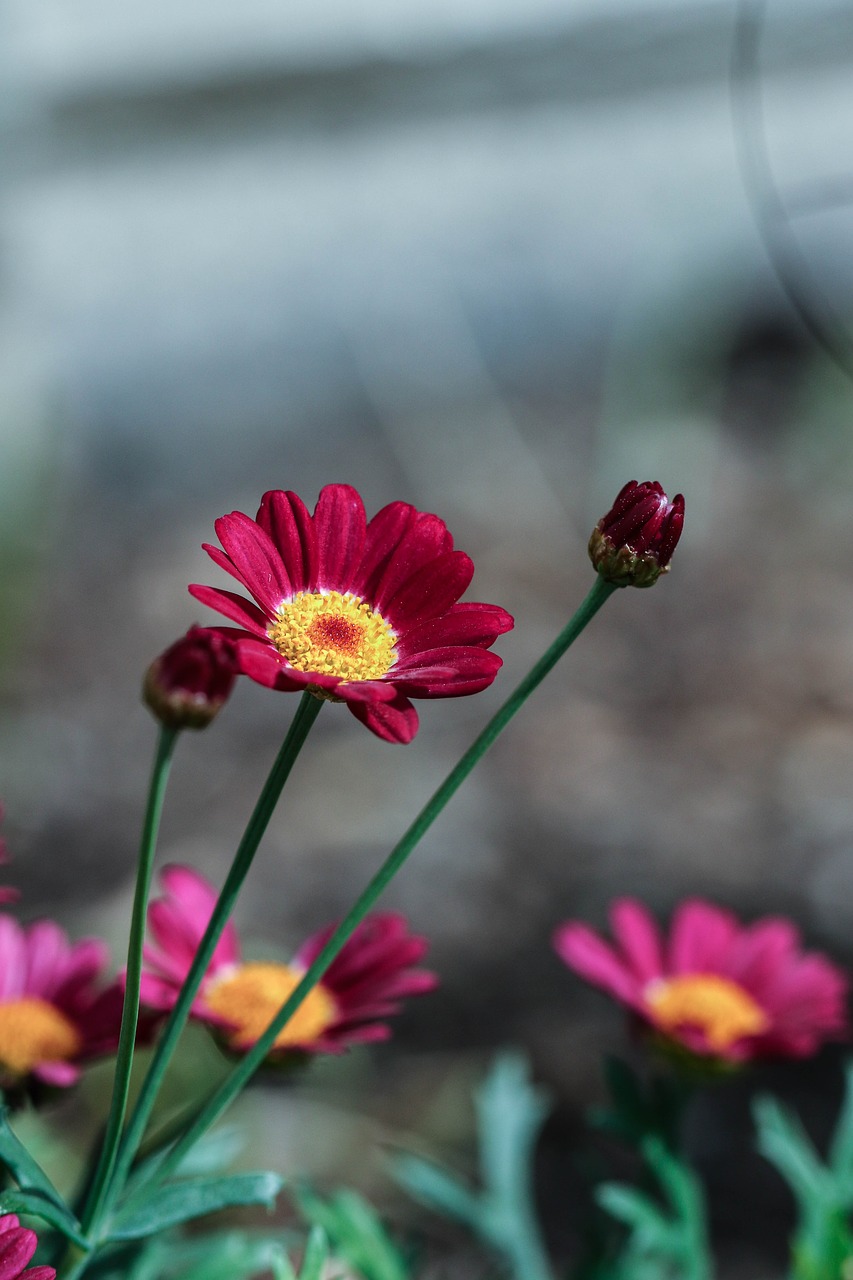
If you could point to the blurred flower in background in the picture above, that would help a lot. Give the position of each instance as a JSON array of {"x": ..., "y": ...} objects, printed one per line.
[
  {"x": 715, "y": 987},
  {"x": 363, "y": 985}
]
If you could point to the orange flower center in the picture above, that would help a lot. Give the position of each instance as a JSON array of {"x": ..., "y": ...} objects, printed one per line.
[
  {"x": 334, "y": 634},
  {"x": 717, "y": 1006},
  {"x": 32, "y": 1032},
  {"x": 250, "y": 997}
]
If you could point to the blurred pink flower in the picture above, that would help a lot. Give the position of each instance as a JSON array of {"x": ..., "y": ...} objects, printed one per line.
[
  {"x": 364, "y": 985},
  {"x": 17, "y": 1246},
  {"x": 55, "y": 1013},
  {"x": 365, "y": 613},
  {"x": 715, "y": 987}
]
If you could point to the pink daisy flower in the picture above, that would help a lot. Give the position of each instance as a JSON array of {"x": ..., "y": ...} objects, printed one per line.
[
  {"x": 239, "y": 999},
  {"x": 17, "y": 1246},
  {"x": 55, "y": 1014},
  {"x": 360, "y": 612},
  {"x": 715, "y": 987}
]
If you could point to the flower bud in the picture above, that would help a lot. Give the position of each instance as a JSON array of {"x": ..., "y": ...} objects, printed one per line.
[
  {"x": 632, "y": 545},
  {"x": 188, "y": 684}
]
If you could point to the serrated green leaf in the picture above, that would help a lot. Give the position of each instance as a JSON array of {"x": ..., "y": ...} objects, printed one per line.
[
  {"x": 26, "y": 1171},
  {"x": 510, "y": 1113},
  {"x": 41, "y": 1206},
  {"x": 178, "y": 1202}
]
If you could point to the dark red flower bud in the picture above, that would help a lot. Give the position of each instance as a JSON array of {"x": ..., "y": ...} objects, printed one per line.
[
  {"x": 633, "y": 544},
  {"x": 188, "y": 684}
]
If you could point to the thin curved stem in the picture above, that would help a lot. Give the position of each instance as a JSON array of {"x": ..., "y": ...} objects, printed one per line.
[
  {"x": 222, "y": 1097},
  {"x": 130, "y": 1010},
  {"x": 307, "y": 712}
]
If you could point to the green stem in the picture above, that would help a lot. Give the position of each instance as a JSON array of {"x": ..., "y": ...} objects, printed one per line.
[
  {"x": 130, "y": 1011},
  {"x": 307, "y": 712},
  {"x": 221, "y": 1098}
]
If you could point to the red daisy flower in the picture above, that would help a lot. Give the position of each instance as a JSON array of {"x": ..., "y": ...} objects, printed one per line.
[
  {"x": 717, "y": 988},
  {"x": 360, "y": 612},
  {"x": 17, "y": 1246},
  {"x": 55, "y": 1014},
  {"x": 239, "y": 999}
]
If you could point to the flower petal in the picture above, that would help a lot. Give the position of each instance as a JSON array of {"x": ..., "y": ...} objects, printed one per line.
[
  {"x": 287, "y": 520},
  {"x": 395, "y": 721},
  {"x": 700, "y": 938},
  {"x": 593, "y": 959},
  {"x": 16, "y": 1249},
  {"x": 235, "y": 607},
  {"x": 383, "y": 536},
  {"x": 13, "y": 963},
  {"x": 447, "y": 673},
  {"x": 431, "y": 591},
  {"x": 463, "y": 624},
  {"x": 256, "y": 559},
  {"x": 425, "y": 539},
  {"x": 339, "y": 525},
  {"x": 637, "y": 934}
]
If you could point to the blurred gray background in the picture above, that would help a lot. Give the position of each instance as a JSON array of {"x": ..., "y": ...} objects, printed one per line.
[{"x": 494, "y": 259}]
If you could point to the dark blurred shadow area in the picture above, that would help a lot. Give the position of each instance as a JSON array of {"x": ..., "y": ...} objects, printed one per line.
[{"x": 495, "y": 260}]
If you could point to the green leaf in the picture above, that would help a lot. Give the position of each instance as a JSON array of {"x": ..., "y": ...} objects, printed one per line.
[
  {"x": 640, "y": 1214},
  {"x": 783, "y": 1141},
  {"x": 841, "y": 1149},
  {"x": 316, "y": 1255},
  {"x": 436, "y": 1188},
  {"x": 181, "y": 1201},
  {"x": 356, "y": 1233},
  {"x": 41, "y": 1206},
  {"x": 225, "y": 1255},
  {"x": 26, "y": 1171}
]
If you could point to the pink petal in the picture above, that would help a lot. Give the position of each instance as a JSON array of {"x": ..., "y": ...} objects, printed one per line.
[
  {"x": 636, "y": 932},
  {"x": 262, "y": 662},
  {"x": 463, "y": 624},
  {"x": 456, "y": 671},
  {"x": 366, "y": 691},
  {"x": 16, "y": 1249},
  {"x": 256, "y": 559},
  {"x": 583, "y": 950},
  {"x": 383, "y": 536},
  {"x": 339, "y": 524},
  {"x": 235, "y": 607},
  {"x": 760, "y": 951},
  {"x": 221, "y": 560},
  {"x": 430, "y": 591},
  {"x": 8, "y": 1221},
  {"x": 60, "y": 1074},
  {"x": 13, "y": 963},
  {"x": 395, "y": 721},
  {"x": 39, "y": 1273},
  {"x": 46, "y": 953},
  {"x": 287, "y": 520},
  {"x": 700, "y": 939},
  {"x": 426, "y": 539}
]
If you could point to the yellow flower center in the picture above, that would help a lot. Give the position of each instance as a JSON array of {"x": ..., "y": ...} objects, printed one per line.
[
  {"x": 717, "y": 1006},
  {"x": 32, "y": 1032},
  {"x": 250, "y": 997},
  {"x": 334, "y": 634}
]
